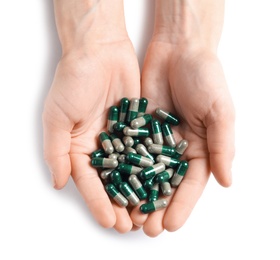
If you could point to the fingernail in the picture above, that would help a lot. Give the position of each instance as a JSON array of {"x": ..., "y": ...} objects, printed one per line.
[{"x": 53, "y": 180}]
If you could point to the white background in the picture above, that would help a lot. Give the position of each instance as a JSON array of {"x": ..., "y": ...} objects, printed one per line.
[{"x": 240, "y": 222}]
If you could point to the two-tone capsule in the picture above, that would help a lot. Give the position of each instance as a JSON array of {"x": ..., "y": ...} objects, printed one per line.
[
  {"x": 104, "y": 162},
  {"x": 154, "y": 192},
  {"x": 157, "y": 132},
  {"x": 153, "y": 206},
  {"x": 132, "y": 110},
  {"x": 143, "y": 103},
  {"x": 113, "y": 118},
  {"x": 136, "y": 132},
  {"x": 106, "y": 143},
  {"x": 179, "y": 173},
  {"x": 166, "y": 188},
  {"x": 129, "y": 193},
  {"x": 139, "y": 160},
  {"x": 141, "y": 121},
  {"x": 123, "y": 109},
  {"x": 164, "y": 176},
  {"x": 168, "y": 161},
  {"x": 117, "y": 143},
  {"x": 116, "y": 195},
  {"x": 167, "y": 116},
  {"x": 180, "y": 148},
  {"x": 168, "y": 134},
  {"x": 151, "y": 171},
  {"x": 128, "y": 169},
  {"x": 138, "y": 187},
  {"x": 161, "y": 149},
  {"x": 141, "y": 149}
]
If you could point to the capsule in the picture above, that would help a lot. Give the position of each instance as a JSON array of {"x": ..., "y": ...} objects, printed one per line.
[
  {"x": 141, "y": 149},
  {"x": 128, "y": 192},
  {"x": 122, "y": 158},
  {"x": 117, "y": 143},
  {"x": 136, "y": 132},
  {"x": 104, "y": 162},
  {"x": 123, "y": 109},
  {"x": 115, "y": 177},
  {"x": 132, "y": 110},
  {"x": 98, "y": 153},
  {"x": 151, "y": 171},
  {"x": 143, "y": 103},
  {"x": 114, "y": 156},
  {"x": 105, "y": 174},
  {"x": 148, "y": 141},
  {"x": 116, "y": 195},
  {"x": 113, "y": 118},
  {"x": 148, "y": 184},
  {"x": 136, "y": 141},
  {"x": 128, "y": 141},
  {"x": 164, "y": 176},
  {"x": 168, "y": 161},
  {"x": 137, "y": 187},
  {"x": 179, "y": 173},
  {"x": 106, "y": 143},
  {"x": 153, "y": 206},
  {"x": 128, "y": 150},
  {"x": 168, "y": 134},
  {"x": 119, "y": 126},
  {"x": 180, "y": 148},
  {"x": 154, "y": 192},
  {"x": 128, "y": 169},
  {"x": 161, "y": 149},
  {"x": 166, "y": 188},
  {"x": 141, "y": 121},
  {"x": 156, "y": 132},
  {"x": 167, "y": 116},
  {"x": 139, "y": 160}
]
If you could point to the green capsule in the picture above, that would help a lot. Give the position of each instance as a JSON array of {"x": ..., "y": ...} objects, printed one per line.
[
  {"x": 136, "y": 141},
  {"x": 116, "y": 177},
  {"x": 128, "y": 192},
  {"x": 139, "y": 160},
  {"x": 104, "y": 162},
  {"x": 156, "y": 132},
  {"x": 116, "y": 195},
  {"x": 105, "y": 174},
  {"x": 119, "y": 126},
  {"x": 132, "y": 110},
  {"x": 117, "y": 143},
  {"x": 154, "y": 192},
  {"x": 98, "y": 153},
  {"x": 106, "y": 143},
  {"x": 138, "y": 187},
  {"x": 168, "y": 134},
  {"x": 161, "y": 149},
  {"x": 143, "y": 103},
  {"x": 153, "y": 206},
  {"x": 123, "y": 109},
  {"x": 179, "y": 173},
  {"x": 136, "y": 132},
  {"x": 180, "y": 148},
  {"x": 164, "y": 176},
  {"x": 128, "y": 169},
  {"x": 141, "y": 121},
  {"x": 151, "y": 171},
  {"x": 113, "y": 118},
  {"x": 148, "y": 184},
  {"x": 141, "y": 149},
  {"x": 167, "y": 116},
  {"x": 168, "y": 161}
]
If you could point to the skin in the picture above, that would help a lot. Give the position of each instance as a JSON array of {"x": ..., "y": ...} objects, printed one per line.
[
  {"x": 99, "y": 66},
  {"x": 182, "y": 65}
]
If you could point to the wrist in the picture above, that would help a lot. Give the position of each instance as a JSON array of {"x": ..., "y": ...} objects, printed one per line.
[
  {"x": 189, "y": 22},
  {"x": 81, "y": 24}
]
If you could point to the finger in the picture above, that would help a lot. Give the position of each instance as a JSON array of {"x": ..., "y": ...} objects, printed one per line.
[
  {"x": 56, "y": 152},
  {"x": 137, "y": 217},
  {"x": 187, "y": 194},
  {"x": 123, "y": 221},
  {"x": 220, "y": 136},
  {"x": 92, "y": 190}
]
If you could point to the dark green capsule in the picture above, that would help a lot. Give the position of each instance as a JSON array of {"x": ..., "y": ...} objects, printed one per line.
[
  {"x": 106, "y": 143},
  {"x": 129, "y": 193},
  {"x": 141, "y": 121},
  {"x": 148, "y": 184},
  {"x": 179, "y": 173},
  {"x": 161, "y": 149},
  {"x": 164, "y": 176},
  {"x": 116, "y": 195},
  {"x": 138, "y": 187},
  {"x": 136, "y": 132},
  {"x": 153, "y": 206},
  {"x": 98, "y": 153},
  {"x": 154, "y": 192},
  {"x": 143, "y": 103},
  {"x": 119, "y": 126},
  {"x": 168, "y": 161},
  {"x": 167, "y": 116},
  {"x": 157, "y": 132},
  {"x": 168, "y": 134},
  {"x": 123, "y": 109},
  {"x": 132, "y": 112},
  {"x": 113, "y": 118},
  {"x": 136, "y": 141},
  {"x": 104, "y": 162},
  {"x": 151, "y": 171},
  {"x": 116, "y": 177},
  {"x": 139, "y": 160},
  {"x": 128, "y": 169}
]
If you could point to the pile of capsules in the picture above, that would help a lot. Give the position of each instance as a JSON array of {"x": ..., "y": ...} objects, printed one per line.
[{"x": 139, "y": 158}]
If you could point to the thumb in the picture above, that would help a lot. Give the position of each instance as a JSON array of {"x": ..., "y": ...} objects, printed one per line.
[{"x": 56, "y": 150}]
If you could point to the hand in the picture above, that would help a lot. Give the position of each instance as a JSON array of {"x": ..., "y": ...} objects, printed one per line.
[
  {"x": 190, "y": 84},
  {"x": 88, "y": 80}
]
